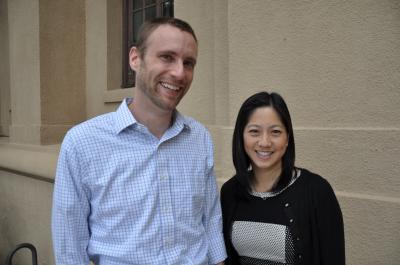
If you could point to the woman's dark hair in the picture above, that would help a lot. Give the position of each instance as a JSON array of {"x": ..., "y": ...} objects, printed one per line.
[{"x": 241, "y": 160}]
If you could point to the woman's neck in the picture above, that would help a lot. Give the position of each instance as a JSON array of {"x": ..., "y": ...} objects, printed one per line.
[{"x": 266, "y": 180}]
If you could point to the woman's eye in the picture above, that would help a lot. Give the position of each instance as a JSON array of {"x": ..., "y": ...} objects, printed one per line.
[
  {"x": 253, "y": 132},
  {"x": 276, "y": 132}
]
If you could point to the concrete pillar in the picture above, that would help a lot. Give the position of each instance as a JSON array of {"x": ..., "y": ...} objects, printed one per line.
[
  {"x": 5, "y": 114},
  {"x": 47, "y": 68}
]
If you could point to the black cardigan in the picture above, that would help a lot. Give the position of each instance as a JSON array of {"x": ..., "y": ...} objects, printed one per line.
[{"x": 316, "y": 226}]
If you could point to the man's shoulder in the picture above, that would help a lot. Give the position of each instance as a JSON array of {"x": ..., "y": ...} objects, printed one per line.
[
  {"x": 196, "y": 128},
  {"x": 91, "y": 127},
  {"x": 193, "y": 123}
]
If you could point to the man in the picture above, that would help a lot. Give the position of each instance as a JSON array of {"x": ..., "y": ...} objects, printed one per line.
[{"x": 136, "y": 186}]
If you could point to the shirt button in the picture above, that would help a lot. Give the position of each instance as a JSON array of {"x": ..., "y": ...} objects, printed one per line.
[
  {"x": 291, "y": 220},
  {"x": 300, "y": 256},
  {"x": 287, "y": 204},
  {"x": 298, "y": 238},
  {"x": 163, "y": 177}
]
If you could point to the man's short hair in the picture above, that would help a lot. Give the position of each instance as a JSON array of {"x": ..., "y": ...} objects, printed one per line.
[{"x": 149, "y": 26}]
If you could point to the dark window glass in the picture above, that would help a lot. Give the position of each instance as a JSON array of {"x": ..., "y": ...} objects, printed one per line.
[
  {"x": 137, "y": 21},
  {"x": 135, "y": 12},
  {"x": 167, "y": 10},
  {"x": 137, "y": 4},
  {"x": 150, "y": 12}
]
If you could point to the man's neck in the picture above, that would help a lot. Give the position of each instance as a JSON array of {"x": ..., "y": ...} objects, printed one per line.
[{"x": 156, "y": 120}]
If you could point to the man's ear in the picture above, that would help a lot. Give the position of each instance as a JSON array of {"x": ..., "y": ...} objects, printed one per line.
[{"x": 134, "y": 59}]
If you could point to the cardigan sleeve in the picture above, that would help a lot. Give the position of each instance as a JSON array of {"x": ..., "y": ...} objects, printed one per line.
[{"x": 330, "y": 226}]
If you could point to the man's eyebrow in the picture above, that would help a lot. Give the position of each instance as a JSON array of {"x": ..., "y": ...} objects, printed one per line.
[{"x": 166, "y": 52}]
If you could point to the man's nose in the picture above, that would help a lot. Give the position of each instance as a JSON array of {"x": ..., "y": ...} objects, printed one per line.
[{"x": 178, "y": 70}]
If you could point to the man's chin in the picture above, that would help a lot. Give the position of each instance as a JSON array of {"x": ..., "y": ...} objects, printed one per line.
[{"x": 167, "y": 106}]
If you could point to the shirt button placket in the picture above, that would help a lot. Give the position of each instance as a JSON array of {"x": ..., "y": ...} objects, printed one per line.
[{"x": 165, "y": 206}]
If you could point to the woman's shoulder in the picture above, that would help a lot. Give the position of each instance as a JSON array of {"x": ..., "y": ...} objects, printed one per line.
[
  {"x": 229, "y": 185},
  {"x": 232, "y": 189},
  {"x": 317, "y": 187},
  {"x": 314, "y": 180}
]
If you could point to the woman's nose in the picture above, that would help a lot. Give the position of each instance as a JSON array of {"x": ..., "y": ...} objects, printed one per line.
[{"x": 265, "y": 140}]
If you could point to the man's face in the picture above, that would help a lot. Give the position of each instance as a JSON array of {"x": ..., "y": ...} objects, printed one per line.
[{"x": 165, "y": 72}]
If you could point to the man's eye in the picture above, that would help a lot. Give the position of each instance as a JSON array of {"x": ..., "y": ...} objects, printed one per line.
[
  {"x": 189, "y": 64},
  {"x": 166, "y": 57}
]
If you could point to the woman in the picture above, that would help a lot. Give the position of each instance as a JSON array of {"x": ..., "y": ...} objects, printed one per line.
[{"x": 274, "y": 212}]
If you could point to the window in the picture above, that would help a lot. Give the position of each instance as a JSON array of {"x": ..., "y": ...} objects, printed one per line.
[{"x": 135, "y": 12}]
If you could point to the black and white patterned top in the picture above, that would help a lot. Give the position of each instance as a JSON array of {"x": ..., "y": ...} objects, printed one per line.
[{"x": 259, "y": 237}]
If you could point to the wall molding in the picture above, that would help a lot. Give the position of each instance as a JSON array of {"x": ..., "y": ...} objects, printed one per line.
[{"x": 33, "y": 161}]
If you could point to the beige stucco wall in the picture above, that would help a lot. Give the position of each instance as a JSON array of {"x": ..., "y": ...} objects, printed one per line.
[
  {"x": 26, "y": 186},
  {"x": 62, "y": 67},
  {"x": 333, "y": 55},
  {"x": 337, "y": 64},
  {"x": 47, "y": 68},
  {"x": 96, "y": 55},
  {"x": 25, "y": 217},
  {"x": 24, "y": 52},
  {"x": 5, "y": 116}
]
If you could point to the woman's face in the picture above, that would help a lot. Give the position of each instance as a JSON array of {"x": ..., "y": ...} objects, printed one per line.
[{"x": 265, "y": 140}]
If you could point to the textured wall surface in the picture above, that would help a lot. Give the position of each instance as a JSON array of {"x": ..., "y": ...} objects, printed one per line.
[
  {"x": 24, "y": 52},
  {"x": 46, "y": 68},
  {"x": 5, "y": 115},
  {"x": 337, "y": 65},
  {"x": 25, "y": 210},
  {"x": 62, "y": 67}
]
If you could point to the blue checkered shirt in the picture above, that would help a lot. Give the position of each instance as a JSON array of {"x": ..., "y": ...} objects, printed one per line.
[{"x": 123, "y": 196}]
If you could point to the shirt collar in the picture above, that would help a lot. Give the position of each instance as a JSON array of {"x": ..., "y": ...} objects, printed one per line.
[
  {"x": 180, "y": 121},
  {"x": 124, "y": 118}
]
